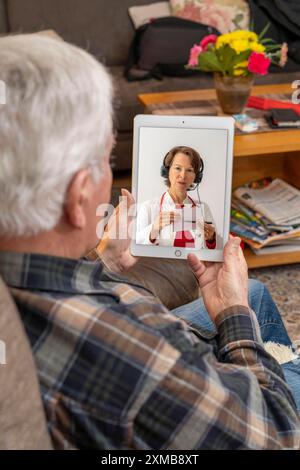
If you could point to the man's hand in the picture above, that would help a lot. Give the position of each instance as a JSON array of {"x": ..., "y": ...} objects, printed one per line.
[
  {"x": 114, "y": 251},
  {"x": 223, "y": 284}
]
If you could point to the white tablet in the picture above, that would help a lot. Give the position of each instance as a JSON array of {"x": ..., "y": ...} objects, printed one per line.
[{"x": 181, "y": 181}]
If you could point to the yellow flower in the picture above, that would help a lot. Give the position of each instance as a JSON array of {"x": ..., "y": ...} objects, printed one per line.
[
  {"x": 243, "y": 64},
  {"x": 237, "y": 72},
  {"x": 239, "y": 40},
  {"x": 239, "y": 45},
  {"x": 256, "y": 47},
  {"x": 230, "y": 47},
  {"x": 222, "y": 40},
  {"x": 242, "y": 35},
  {"x": 240, "y": 68},
  {"x": 252, "y": 36}
]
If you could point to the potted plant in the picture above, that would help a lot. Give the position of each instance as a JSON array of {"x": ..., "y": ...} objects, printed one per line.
[{"x": 235, "y": 58}]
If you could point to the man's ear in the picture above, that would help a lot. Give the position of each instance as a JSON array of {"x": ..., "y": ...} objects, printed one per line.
[{"x": 77, "y": 197}]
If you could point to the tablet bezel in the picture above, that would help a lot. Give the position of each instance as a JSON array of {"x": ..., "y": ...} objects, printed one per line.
[{"x": 183, "y": 122}]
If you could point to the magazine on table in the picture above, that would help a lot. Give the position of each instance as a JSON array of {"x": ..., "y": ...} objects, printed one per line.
[
  {"x": 286, "y": 247},
  {"x": 278, "y": 201},
  {"x": 255, "y": 227},
  {"x": 255, "y": 219},
  {"x": 255, "y": 241}
]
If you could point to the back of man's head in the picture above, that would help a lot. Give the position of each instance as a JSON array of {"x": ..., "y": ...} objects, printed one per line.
[{"x": 56, "y": 120}]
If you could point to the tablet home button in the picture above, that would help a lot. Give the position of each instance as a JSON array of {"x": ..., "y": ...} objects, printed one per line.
[{"x": 178, "y": 253}]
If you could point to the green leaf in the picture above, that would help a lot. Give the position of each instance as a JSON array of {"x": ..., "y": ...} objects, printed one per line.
[
  {"x": 273, "y": 48},
  {"x": 239, "y": 58},
  {"x": 265, "y": 41},
  {"x": 242, "y": 57},
  {"x": 228, "y": 56},
  {"x": 263, "y": 32},
  {"x": 208, "y": 62}
]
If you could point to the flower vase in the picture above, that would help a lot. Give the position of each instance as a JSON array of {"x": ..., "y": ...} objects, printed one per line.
[{"x": 232, "y": 92}]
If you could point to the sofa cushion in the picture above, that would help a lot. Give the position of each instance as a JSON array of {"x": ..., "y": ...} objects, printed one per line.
[
  {"x": 3, "y": 19},
  {"x": 224, "y": 15},
  {"x": 145, "y": 13},
  {"x": 22, "y": 420}
]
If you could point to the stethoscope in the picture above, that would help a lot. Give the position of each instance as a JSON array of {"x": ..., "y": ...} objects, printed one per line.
[
  {"x": 193, "y": 202},
  {"x": 163, "y": 196}
]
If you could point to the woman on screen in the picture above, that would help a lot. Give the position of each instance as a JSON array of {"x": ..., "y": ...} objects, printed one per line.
[{"x": 175, "y": 219}]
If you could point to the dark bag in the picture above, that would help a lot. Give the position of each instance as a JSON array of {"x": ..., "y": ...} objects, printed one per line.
[
  {"x": 162, "y": 47},
  {"x": 283, "y": 18}
]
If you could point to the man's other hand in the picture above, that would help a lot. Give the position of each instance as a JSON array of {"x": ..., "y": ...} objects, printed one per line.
[
  {"x": 114, "y": 251},
  {"x": 223, "y": 284}
]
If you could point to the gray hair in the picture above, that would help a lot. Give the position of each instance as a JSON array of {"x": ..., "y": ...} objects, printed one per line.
[{"x": 57, "y": 120}]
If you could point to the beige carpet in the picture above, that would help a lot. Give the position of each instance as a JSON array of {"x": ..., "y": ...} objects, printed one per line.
[{"x": 284, "y": 284}]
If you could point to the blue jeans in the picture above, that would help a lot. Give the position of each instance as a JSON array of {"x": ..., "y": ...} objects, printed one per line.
[{"x": 270, "y": 322}]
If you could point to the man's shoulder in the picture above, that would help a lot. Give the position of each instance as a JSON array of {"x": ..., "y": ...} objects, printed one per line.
[{"x": 78, "y": 330}]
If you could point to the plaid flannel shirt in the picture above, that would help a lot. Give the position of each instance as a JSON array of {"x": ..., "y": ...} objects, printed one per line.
[{"x": 119, "y": 371}]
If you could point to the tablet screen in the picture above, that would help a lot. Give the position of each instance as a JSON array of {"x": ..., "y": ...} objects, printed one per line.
[{"x": 181, "y": 189}]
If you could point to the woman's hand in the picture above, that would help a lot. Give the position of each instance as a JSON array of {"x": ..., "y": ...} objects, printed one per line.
[
  {"x": 209, "y": 232},
  {"x": 208, "y": 229},
  {"x": 224, "y": 284},
  {"x": 163, "y": 219}
]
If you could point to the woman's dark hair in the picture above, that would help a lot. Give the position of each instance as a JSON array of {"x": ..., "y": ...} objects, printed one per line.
[{"x": 196, "y": 160}]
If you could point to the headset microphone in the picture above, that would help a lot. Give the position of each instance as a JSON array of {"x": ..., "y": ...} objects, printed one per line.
[{"x": 164, "y": 172}]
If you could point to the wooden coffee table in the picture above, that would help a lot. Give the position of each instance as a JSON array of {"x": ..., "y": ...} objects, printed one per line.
[{"x": 256, "y": 155}]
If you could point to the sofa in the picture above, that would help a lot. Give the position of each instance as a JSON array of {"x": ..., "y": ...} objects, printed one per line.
[
  {"x": 104, "y": 28},
  {"x": 22, "y": 419}
]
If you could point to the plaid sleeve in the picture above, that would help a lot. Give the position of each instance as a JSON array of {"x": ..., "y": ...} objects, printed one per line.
[
  {"x": 118, "y": 371},
  {"x": 135, "y": 377}
]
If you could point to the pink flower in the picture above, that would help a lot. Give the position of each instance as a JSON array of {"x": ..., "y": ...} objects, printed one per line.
[
  {"x": 194, "y": 54},
  {"x": 210, "y": 39},
  {"x": 258, "y": 63},
  {"x": 283, "y": 54}
]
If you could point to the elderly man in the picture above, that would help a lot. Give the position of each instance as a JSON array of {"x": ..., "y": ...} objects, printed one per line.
[{"x": 116, "y": 368}]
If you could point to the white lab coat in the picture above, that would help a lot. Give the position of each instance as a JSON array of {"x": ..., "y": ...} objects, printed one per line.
[{"x": 148, "y": 212}]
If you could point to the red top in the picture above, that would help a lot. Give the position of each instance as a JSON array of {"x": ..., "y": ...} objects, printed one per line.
[{"x": 184, "y": 239}]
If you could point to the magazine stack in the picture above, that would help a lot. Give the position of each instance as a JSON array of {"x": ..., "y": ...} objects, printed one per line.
[{"x": 266, "y": 215}]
